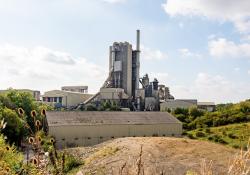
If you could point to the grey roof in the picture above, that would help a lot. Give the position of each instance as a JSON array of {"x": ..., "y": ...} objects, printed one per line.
[
  {"x": 60, "y": 118},
  {"x": 206, "y": 103}
]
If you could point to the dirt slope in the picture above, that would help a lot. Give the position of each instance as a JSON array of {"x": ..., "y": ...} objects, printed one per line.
[{"x": 159, "y": 155}]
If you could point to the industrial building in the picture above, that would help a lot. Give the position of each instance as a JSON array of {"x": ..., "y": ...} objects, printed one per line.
[
  {"x": 208, "y": 106},
  {"x": 81, "y": 89},
  {"x": 84, "y": 128},
  {"x": 177, "y": 103},
  {"x": 66, "y": 99},
  {"x": 124, "y": 85},
  {"x": 185, "y": 104}
]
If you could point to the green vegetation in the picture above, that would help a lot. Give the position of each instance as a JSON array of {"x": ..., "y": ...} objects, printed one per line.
[
  {"x": 221, "y": 126},
  {"x": 234, "y": 135},
  {"x": 10, "y": 159},
  {"x": 16, "y": 129},
  {"x": 224, "y": 114},
  {"x": 104, "y": 106},
  {"x": 22, "y": 122}
]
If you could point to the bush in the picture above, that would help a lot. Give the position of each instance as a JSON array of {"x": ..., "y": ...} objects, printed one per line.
[
  {"x": 221, "y": 140},
  {"x": 71, "y": 162},
  {"x": 235, "y": 146},
  {"x": 232, "y": 136},
  {"x": 210, "y": 138},
  {"x": 190, "y": 136},
  {"x": 91, "y": 107},
  {"x": 10, "y": 159},
  {"x": 207, "y": 130},
  {"x": 200, "y": 134}
]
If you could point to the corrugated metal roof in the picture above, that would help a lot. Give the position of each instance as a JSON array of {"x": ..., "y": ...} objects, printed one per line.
[
  {"x": 59, "y": 118},
  {"x": 206, "y": 103}
]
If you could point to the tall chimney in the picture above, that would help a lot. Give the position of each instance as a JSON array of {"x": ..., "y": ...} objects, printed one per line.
[{"x": 138, "y": 40}]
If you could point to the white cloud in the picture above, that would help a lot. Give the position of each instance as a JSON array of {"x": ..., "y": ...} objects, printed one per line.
[
  {"x": 233, "y": 11},
  {"x": 215, "y": 88},
  {"x": 114, "y": 1},
  {"x": 223, "y": 48},
  {"x": 45, "y": 69},
  {"x": 152, "y": 54},
  {"x": 187, "y": 53}
]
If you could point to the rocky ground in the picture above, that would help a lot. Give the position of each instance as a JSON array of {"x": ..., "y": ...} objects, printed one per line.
[{"x": 155, "y": 155}]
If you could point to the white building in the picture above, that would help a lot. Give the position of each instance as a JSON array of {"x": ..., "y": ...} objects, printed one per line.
[
  {"x": 59, "y": 98},
  {"x": 81, "y": 89}
]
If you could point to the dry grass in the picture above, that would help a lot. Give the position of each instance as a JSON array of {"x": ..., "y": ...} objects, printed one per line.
[
  {"x": 163, "y": 156},
  {"x": 106, "y": 151},
  {"x": 241, "y": 163}
]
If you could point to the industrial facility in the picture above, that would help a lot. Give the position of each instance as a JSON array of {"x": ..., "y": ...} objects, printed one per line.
[
  {"x": 124, "y": 86},
  {"x": 135, "y": 95}
]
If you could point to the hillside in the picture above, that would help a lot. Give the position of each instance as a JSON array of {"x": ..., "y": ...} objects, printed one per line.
[
  {"x": 234, "y": 135},
  {"x": 159, "y": 154}
]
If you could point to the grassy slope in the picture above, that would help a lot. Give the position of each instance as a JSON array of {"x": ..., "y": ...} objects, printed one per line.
[{"x": 235, "y": 135}]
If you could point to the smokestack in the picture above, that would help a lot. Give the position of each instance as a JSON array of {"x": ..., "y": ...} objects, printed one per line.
[{"x": 138, "y": 40}]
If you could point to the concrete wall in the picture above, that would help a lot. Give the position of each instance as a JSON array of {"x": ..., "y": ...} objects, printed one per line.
[
  {"x": 113, "y": 94},
  {"x": 173, "y": 104},
  {"x": 68, "y": 98},
  {"x": 86, "y": 135}
]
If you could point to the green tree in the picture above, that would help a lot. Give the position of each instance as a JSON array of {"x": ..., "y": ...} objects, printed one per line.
[
  {"x": 25, "y": 101},
  {"x": 15, "y": 126},
  {"x": 194, "y": 112}
]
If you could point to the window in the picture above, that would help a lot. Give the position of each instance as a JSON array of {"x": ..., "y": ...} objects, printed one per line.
[
  {"x": 55, "y": 99},
  {"x": 60, "y": 99},
  {"x": 48, "y": 99}
]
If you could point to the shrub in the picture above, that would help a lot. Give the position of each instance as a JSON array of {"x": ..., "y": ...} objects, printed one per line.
[
  {"x": 221, "y": 140},
  {"x": 91, "y": 107},
  {"x": 235, "y": 146},
  {"x": 207, "y": 130},
  {"x": 232, "y": 136},
  {"x": 71, "y": 162},
  {"x": 190, "y": 136},
  {"x": 210, "y": 138},
  {"x": 200, "y": 134},
  {"x": 10, "y": 159}
]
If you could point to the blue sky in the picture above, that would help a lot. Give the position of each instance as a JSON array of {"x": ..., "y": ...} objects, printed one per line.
[{"x": 200, "y": 49}]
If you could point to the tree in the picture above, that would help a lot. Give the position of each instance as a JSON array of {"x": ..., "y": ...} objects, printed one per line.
[
  {"x": 194, "y": 112},
  {"x": 25, "y": 101},
  {"x": 15, "y": 126}
]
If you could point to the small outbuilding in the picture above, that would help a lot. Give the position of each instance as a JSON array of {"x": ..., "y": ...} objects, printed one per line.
[{"x": 85, "y": 128}]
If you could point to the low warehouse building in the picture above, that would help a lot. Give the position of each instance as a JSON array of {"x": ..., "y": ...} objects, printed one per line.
[{"x": 76, "y": 128}]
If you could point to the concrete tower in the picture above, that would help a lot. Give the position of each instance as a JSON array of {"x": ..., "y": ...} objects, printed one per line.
[{"x": 124, "y": 65}]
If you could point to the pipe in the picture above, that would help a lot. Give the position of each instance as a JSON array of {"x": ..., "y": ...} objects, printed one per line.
[{"x": 138, "y": 40}]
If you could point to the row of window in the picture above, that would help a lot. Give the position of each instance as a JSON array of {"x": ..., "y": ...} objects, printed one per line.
[
  {"x": 154, "y": 135},
  {"x": 53, "y": 99}
]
